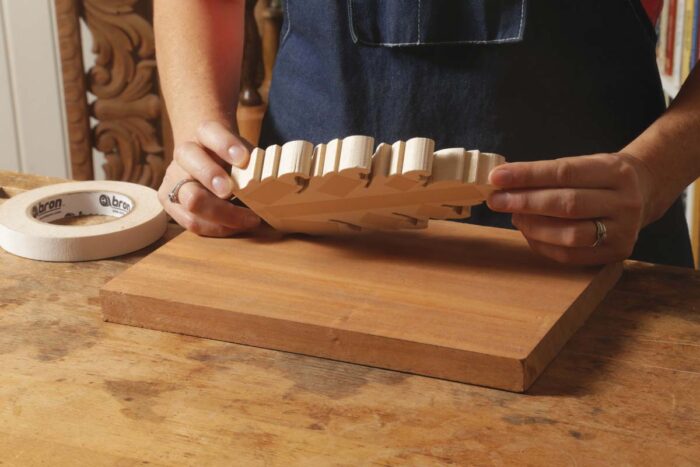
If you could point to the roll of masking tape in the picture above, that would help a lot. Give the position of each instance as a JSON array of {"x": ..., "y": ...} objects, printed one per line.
[{"x": 25, "y": 228}]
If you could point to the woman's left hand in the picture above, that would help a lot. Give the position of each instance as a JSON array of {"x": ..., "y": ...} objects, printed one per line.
[{"x": 555, "y": 204}]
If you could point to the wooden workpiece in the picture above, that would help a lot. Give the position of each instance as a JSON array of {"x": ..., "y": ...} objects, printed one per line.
[
  {"x": 455, "y": 301},
  {"x": 77, "y": 391},
  {"x": 348, "y": 186}
]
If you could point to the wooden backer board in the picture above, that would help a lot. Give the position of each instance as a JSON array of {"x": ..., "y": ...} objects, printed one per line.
[{"x": 455, "y": 301}]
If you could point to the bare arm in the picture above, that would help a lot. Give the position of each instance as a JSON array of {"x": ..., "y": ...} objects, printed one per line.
[
  {"x": 670, "y": 148},
  {"x": 199, "y": 44},
  {"x": 200, "y": 47}
]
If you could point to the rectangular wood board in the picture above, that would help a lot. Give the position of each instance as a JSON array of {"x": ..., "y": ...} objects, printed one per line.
[{"x": 456, "y": 301}]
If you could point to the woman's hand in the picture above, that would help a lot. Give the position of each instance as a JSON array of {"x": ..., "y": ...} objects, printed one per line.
[
  {"x": 204, "y": 207},
  {"x": 555, "y": 204}
]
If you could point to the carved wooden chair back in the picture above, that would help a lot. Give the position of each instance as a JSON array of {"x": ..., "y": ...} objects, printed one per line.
[{"x": 116, "y": 107}]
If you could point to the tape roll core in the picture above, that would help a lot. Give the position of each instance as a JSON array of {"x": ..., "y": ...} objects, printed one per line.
[
  {"x": 25, "y": 228},
  {"x": 84, "y": 203}
]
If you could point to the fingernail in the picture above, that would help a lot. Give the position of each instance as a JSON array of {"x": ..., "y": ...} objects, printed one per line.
[
  {"x": 239, "y": 156},
  {"x": 498, "y": 201},
  {"x": 250, "y": 221},
  {"x": 501, "y": 177},
  {"x": 222, "y": 186}
]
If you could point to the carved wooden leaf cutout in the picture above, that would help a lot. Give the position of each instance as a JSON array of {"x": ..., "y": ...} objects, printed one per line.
[{"x": 346, "y": 185}]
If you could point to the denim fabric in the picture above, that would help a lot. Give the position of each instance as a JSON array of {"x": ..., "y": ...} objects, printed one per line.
[
  {"x": 433, "y": 22},
  {"x": 541, "y": 80}
]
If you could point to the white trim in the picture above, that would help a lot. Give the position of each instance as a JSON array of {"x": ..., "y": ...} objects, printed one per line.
[
  {"x": 59, "y": 82},
  {"x": 9, "y": 155}
]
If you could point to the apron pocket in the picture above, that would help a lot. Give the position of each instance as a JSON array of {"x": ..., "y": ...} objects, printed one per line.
[{"x": 395, "y": 23}]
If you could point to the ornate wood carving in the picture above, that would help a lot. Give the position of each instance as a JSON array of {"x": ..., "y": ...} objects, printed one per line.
[
  {"x": 132, "y": 129},
  {"x": 124, "y": 82},
  {"x": 74, "y": 89}
]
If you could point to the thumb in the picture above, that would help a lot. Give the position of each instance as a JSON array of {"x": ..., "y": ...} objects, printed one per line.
[{"x": 219, "y": 139}]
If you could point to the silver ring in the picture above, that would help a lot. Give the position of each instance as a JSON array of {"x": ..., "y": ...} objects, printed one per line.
[
  {"x": 601, "y": 233},
  {"x": 173, "y": 195}
]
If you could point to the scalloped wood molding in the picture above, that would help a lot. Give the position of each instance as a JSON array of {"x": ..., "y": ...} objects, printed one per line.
[{"x": 347, "y": 186}]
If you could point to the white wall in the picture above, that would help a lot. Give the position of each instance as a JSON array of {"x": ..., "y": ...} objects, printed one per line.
[
  {"x": 32, "y": 123},
  {"x": 9, "y": 155}
]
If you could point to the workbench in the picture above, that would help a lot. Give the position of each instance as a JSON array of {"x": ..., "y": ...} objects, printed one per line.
[{"x": 77, "y": 391}]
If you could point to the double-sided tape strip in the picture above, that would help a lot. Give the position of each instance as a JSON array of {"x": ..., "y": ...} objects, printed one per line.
[{"x": 25, "y": 229}]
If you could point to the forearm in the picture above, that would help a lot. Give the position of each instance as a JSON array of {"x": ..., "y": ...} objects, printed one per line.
[
  {"x": 670, "y": 148},
  {"x": 199, "y": 46}
]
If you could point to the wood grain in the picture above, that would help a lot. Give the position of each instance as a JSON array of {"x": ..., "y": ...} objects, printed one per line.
[
  {"x": 456, "y": 301},
  {"x": 77, "y": 391},
  {"x": 74, "y": 89},
  {"x": 125, "y": 84}
]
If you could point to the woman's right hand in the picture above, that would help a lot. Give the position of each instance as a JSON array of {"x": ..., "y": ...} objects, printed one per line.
[{"x": 204, "y": 207}]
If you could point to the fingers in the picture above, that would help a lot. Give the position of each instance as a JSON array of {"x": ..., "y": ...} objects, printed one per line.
[
  {"x": 555, "y": 231},
  {"x": 198, "y": 225},
  {"x": 199, "y": 210},
  {"x": 571, "y": 241},
  {"x": 554, "y": 204},
  {"x": 598, "y": 171},
  {"x": 202, "y": 203},
  {"x": 561, "y": 202},
  {"x": 198, "y": 164},
  {"x": 215, "y": 136},
  {"x": 584, "y": 256}
]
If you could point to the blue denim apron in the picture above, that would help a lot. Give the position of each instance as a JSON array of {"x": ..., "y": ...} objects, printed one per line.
[{"x": 531, "y": 80}]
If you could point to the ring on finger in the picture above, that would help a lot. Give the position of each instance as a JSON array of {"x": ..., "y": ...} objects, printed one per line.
[
  {"x": 173, "y": 195},
  {"x": 601, "y": 233}
]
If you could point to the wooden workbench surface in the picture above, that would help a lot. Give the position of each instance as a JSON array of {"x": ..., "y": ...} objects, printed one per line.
[{"x": 77, "y": 391}]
